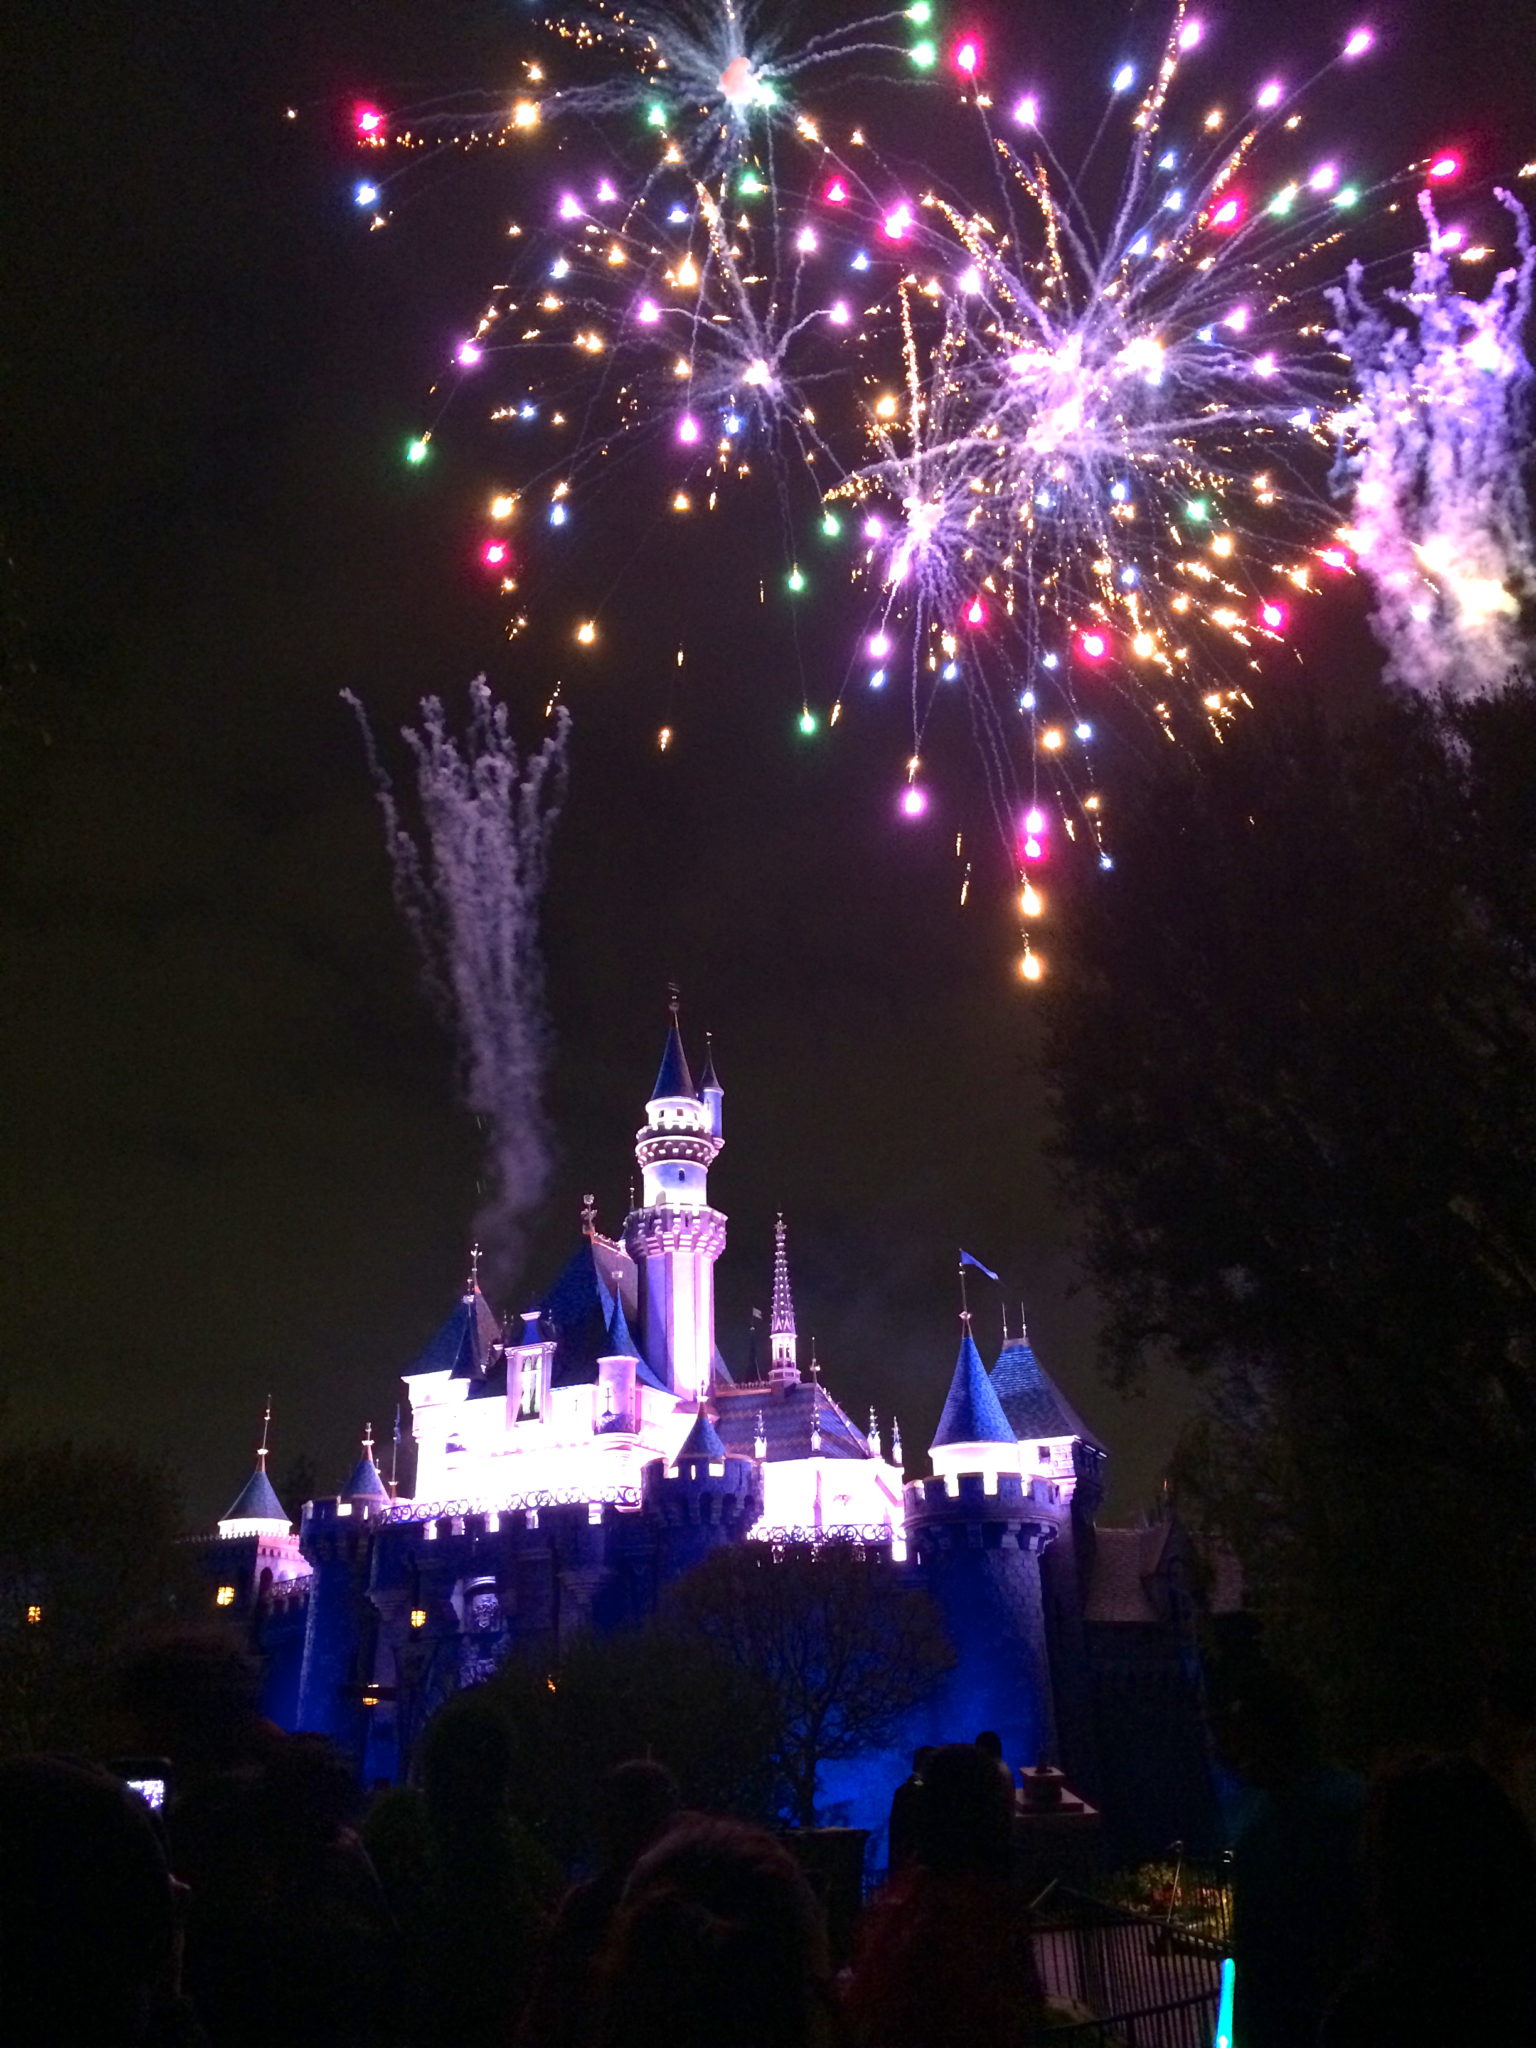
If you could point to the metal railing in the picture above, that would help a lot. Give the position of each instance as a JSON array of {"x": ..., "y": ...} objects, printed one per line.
[{"x": 1149, "y": 1984}]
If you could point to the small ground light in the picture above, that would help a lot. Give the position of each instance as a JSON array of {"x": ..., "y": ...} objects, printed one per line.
[
  {"x": 418, "y": 1617},
  {"x": 224, "y": 1597},
  {"x": 34, "y": 1614}
]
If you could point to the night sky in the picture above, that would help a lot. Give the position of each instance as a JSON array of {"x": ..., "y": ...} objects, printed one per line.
[{"x": 233, "y": 1159}]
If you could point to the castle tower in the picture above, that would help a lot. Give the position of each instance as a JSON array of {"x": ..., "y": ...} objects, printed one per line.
[
  {"x": 674, "y": 1237},
  {"x": 978, "y": 1529},
  {"x": 784, "y": 1369}
]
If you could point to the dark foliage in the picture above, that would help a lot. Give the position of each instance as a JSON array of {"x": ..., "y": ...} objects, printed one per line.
[
  {"x": 88, "y": 1558},
  {"x": 1291, "y": 1040},
  {"x": 834, "y": 1644}
]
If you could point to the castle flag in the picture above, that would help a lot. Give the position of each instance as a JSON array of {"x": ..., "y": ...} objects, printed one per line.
[{"x": 967, "y": 1260}]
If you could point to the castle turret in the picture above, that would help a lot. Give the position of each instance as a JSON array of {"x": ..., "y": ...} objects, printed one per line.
[
  {"x": 784, "y": 1367},
  {"x": 974, "y": 1434},
  {"x": 674, "y": 1237},
  {"x": 256, "y": 1509},
  {"x": 978, "y": 1528},
  {"x": 705, "y": 1497},
  {"x": 1048, "y": 1428},
  {"x": 365, "y": 1487}
]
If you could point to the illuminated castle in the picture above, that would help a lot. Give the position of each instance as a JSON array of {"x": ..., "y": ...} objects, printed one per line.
[{"x": 575, "y": 1458}]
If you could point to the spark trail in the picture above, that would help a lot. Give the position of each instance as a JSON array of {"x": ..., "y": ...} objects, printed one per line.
[
  {"x": 1442, "y": 521},
  {"x": 469, "y": 881}
]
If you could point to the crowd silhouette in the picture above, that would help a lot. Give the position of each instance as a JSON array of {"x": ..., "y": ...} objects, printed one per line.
[{"x": 259, "y": 1907}]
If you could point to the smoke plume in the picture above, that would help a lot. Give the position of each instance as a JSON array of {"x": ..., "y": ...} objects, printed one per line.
[
  {"x": 468, "y": 880},
  {"x": 1434, "y": 451}
]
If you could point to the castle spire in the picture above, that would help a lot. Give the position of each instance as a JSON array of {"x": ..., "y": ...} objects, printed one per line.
[
  {"x": 711, "y": 1094},
  {"x": 673, "y": 1080},
  {"x": 472, "y": 1285},
  {"x": 266, "y": 1425},
  {"x": 784, "y": 1370}
]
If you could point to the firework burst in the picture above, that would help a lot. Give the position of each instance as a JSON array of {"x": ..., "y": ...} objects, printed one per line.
[{"x": 1074, "y": 451}]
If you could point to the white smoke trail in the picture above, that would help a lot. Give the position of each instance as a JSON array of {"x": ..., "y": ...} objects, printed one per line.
[
  {"x": 469, "y": 887},
  {"x": 1434, "y": 448}
]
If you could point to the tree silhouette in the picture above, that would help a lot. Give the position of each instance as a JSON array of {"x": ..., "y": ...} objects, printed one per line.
[
  {"x": 839, "y": 1649},
  {"x": 1292, "y": 1039}
]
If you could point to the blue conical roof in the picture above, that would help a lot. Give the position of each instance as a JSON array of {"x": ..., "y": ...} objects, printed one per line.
[
  {"x": 972, "y": 1412},
  {"x": 709, "y": 1078},
  {"x": 673, "y": 1077},
  {"x": 461, "y": 1343},
  {"x": 1033, "y": 1403},
  {"x": 702, "y": 1441},
  {"x": 365, "y": 1483},
  {"x": 256, "y": 1501},
  {"x": 621, "y": 1340}
]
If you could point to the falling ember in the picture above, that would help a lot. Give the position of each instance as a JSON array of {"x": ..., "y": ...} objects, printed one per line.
[{"x": 914, "y": 801}]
